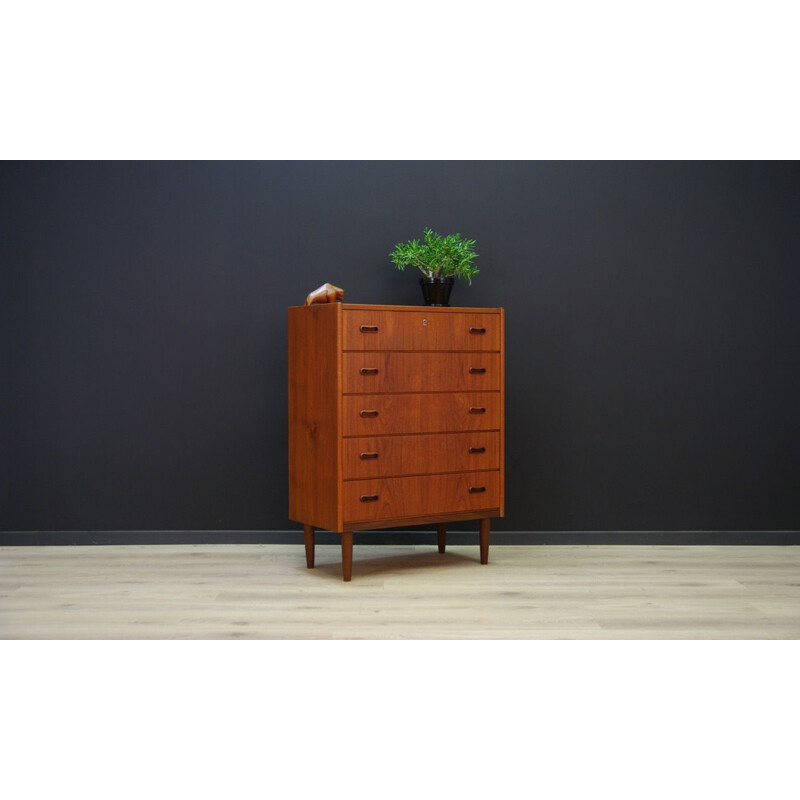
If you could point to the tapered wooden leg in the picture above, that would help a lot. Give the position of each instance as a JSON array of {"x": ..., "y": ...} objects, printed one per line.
[
  {"x": 347, "y": 555},
  {"x": 485, "y": 541},
  {"x": 308, "y": 535},
  {"x": 441, "y": 533}
]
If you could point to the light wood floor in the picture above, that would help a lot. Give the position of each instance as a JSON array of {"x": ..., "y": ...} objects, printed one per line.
[{"x": 399, "y": 592}]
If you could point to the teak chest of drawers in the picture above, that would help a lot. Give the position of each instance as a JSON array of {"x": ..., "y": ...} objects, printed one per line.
[{"x": 395, "y": 418}]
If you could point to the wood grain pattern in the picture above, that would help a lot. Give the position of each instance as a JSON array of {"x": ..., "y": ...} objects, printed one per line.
[
  {"x": 421, "y": 454},
  {"x": 396, "y": 498},
  {"x": 484, "y": 540},
  {"x": 392, "y": 412},
  {"x": 420, "y": 413},
  {"x": 417, "y": 309},
  {"x": 441, "y": 536},
  {"x": 372, "y": 371},
  {"x": 502, "y": 412},
  {"x": 314, "y": 393},
  {"x": 347, "y": 555},
  {"x": 425, "y": 519},
  {"x": 265, "y": 592},
  {"x": 308, "y": 538},
  {"x": 420, "y": 330}
]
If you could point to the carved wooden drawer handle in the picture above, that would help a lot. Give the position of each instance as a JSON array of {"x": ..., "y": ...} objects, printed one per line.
[
  {"x": 369, "y": 370},
  {"x": 477, "y": 370},
  {"x": 369, "y": 329},
  {"x": 371, "y": 498},
  {"x": 367, "y": 456},
  {"x": 477, "y": 330},
  {"x": 472, "y": 490},
  {"x": 477, "y": 450},
  {"x": 472, "y": 410},
  {"x": 369, "y": 413}
]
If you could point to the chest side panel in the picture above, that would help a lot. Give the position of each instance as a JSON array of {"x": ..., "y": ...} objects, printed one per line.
[{"x": 314, "y": 395}]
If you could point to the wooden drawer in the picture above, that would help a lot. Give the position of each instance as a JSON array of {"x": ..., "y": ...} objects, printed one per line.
[
  {"x": 420, "y": 330},
  {"x": 367, "y": 372},
  {"x": 421, "y": 454},
  {"x": 422, "y": 496},
  {"x": 448, "y": 412}
]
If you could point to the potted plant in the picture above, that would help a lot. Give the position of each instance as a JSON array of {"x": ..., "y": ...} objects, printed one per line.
[{"x": 441, "y": 259}]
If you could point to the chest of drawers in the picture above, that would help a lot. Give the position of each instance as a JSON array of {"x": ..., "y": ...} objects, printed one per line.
[{"x": 395, "y": 418}]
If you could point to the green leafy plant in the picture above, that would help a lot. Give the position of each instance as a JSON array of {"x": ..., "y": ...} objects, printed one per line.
[{"x": 438, "y": 256}]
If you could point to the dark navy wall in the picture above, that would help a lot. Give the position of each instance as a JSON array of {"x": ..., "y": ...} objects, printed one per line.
[{"x": 652, "y": 328}]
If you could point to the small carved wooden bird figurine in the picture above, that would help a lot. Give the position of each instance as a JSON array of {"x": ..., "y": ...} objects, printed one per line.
[{"x": 327, "y": 293}]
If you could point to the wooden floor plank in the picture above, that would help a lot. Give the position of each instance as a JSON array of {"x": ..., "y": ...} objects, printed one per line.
[{"x": 400, "y": 592}]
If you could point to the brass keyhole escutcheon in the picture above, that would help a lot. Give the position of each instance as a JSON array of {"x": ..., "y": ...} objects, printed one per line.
[{"x": 424, "y": 323}]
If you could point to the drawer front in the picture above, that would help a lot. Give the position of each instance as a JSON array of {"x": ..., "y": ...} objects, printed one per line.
[
  {"x": 420, "y": 372},
  {"x": 449, "y": 412},
  {"x": 421, "y": 454},
  {"x": 420, "y": 330},
  {"x": 396, "y": 498}
]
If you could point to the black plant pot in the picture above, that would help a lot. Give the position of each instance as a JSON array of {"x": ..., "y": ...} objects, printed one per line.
[{"x": 436, "y": 291}]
